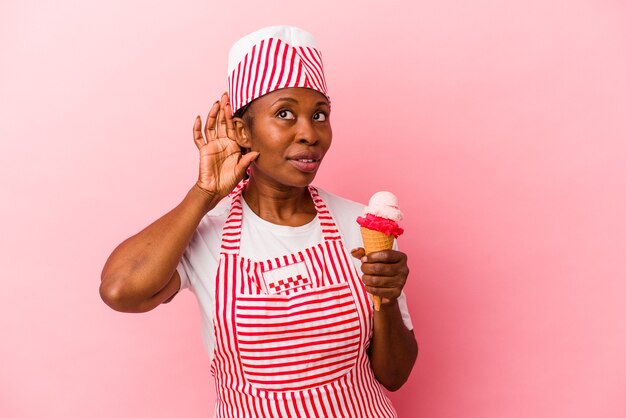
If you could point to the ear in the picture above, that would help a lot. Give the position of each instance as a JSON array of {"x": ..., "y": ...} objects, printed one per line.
[{"x": 243, "y": 133}]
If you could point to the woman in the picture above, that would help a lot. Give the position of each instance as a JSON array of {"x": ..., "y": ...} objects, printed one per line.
[{"x": 287, "y": 321}]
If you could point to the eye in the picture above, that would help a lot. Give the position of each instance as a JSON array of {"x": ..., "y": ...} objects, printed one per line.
[
  {"x": 319, "y": 117},
  {"x": 285, "y": 114}
]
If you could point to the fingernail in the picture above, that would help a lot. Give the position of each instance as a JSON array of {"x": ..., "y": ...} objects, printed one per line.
[{"x": 363, "y": 259}]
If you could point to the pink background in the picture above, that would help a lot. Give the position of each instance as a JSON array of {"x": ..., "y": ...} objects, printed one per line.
[{"x": 500, "y": 125}]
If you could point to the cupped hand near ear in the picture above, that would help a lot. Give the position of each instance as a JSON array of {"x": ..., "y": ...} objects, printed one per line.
[
  {"x": 221, "y": 164},
  {"x": 384, "y": 273}
]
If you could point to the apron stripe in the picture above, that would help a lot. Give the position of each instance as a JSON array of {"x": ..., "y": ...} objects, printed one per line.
[
  {"x": 346, "y": 406},
  {"x": 281, "y": 356},
  {"x": 325, "y": 260},
  {"x": 229, "y": 345},
  {"x": 323, "y": 402},
  {"x": 244, "y": 283},
  {"x": 372, "y": 405},
  {"x": 284, "y": 404},
  {"x": 294, "y": 401},
  {"x": 269, "y": 315},
  {"x": 361, "y": 396},
  {"x": 312, "y": 405},
  {"x": 337, "y": 401},
  {"x": 301, "y": 406},
  {"x": 328, "y": 367},
  {"x": 312, "y": 255},
  {"x": 301, "y": 319},
  {"x": 273, "y": 366},
  {"x": 258, "y": 407},
  {"x": 218, "y": 364},
  {"x": 302, "y": 333},
  {"x": 332, "y": 395}
]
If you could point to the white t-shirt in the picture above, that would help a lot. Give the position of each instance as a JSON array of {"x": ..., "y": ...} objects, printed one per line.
[{"x": 260, "y": 240}]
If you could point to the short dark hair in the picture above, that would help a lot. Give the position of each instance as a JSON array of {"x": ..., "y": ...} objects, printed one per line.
[{"x": 242, "y": 113}]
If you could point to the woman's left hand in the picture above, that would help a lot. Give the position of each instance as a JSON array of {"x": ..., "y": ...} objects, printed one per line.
[{"x": 384, "y": 273}]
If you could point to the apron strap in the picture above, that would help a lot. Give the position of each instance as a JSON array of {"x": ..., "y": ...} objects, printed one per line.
[
  {"x": 330, "y": 232},
  {"x": 231, "y": 234}
]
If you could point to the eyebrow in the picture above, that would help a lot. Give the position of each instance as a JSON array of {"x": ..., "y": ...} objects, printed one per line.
[{"x": 289, "y": 99}]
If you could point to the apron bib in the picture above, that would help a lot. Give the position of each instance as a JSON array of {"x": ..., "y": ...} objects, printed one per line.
[{"x": 292, "y": 332}]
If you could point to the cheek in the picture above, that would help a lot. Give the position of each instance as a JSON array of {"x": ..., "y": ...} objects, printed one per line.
[
  {"x": 327, "y": 134},
  {"x": 270, "y": 141}
]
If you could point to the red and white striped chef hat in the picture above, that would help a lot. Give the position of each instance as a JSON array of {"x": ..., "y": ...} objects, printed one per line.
[{"x": 273, "y": 58}]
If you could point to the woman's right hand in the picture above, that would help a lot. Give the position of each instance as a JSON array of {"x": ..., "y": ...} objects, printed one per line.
[
  {"x": 141, "y": 273},
  {"x": 221, "y": 164}
]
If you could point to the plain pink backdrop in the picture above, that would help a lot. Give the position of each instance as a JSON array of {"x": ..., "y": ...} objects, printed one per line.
[{"x": 500, "y": 125}]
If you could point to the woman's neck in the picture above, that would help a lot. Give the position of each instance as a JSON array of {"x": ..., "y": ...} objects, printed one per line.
[{"x": 290, "y": 206}]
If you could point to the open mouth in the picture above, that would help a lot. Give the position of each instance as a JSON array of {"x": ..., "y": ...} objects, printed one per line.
[{"x": 306, "y": 165}]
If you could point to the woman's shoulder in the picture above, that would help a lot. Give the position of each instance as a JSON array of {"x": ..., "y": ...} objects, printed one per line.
[{"x": 340, "y": 202}]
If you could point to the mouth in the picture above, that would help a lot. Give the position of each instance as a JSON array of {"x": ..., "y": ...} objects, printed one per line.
[{"x": 306, "y": 162}]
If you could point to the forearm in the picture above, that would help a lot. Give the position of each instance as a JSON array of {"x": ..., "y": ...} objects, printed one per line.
[
  {"x": 393, "y": 349},
  {"x": 140, "y": 269}
]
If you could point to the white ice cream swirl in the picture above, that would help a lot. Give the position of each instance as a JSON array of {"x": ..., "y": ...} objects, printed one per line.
[{"x": 384, "y": 205}]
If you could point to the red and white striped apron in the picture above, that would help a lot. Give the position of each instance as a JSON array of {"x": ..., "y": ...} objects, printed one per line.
[{"x": 292, "y": 332}]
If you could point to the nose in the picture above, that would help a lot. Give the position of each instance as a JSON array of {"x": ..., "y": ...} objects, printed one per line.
[{"x": 306, "y": 133}]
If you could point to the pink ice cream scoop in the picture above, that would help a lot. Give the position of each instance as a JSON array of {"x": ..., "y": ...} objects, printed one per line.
[{"x": 382, "y": 214}]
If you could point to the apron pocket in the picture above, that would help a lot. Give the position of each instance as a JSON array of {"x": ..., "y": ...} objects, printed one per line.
[{"x": 300, "y": 341}]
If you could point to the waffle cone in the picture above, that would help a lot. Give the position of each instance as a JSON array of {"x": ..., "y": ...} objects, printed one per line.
[{"x": 376, "y": 241}]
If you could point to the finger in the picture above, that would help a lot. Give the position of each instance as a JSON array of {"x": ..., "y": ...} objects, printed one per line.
[
  {"x": 230, "y": 125},
  {"x": 198, "y": 139},
  {"x": 384, "y": 291},
  {"x": 245, "y": 161},
  {"x": 221, "y": 117},
  {"x": 211, "y": 119},
  {"x": 358, "y": 252},
  {"x": 382, "y": 269},
  {"x": 386, "y": 256},
  {"x": 377, "y": 302},
  {"x": 382, "y": 282}
]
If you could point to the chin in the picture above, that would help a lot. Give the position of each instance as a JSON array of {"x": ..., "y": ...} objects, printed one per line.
[
  {"x": 286, "y": 178},
  {"x": 299, "y": 181}
]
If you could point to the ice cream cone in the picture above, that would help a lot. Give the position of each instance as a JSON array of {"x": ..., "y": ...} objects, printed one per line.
[
  {"x": 376, "y": 241},
  {"x": 379, "y": 226}
]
